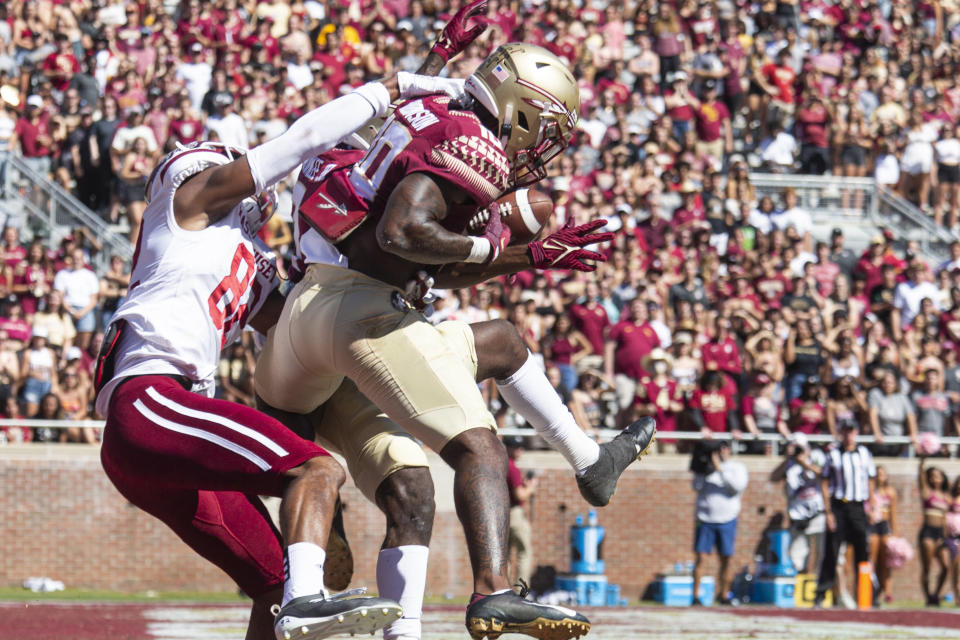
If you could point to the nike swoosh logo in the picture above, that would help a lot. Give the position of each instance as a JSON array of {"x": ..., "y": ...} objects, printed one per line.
[{"x": 556, "y": 246}]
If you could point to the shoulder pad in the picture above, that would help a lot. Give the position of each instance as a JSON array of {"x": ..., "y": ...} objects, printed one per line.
[
  {"x": 180, "y": 164},
  {"x": 455, "y": 146},
  {"x": 316, "y": 168}
]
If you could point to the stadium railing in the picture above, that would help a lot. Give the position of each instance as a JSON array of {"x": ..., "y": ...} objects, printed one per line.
[
  {"x": 53, "y": 210},
  {"x": 820, "y": 438},
  {"x": 602, "y": 434},
  {"x": 858, "y": 206}
]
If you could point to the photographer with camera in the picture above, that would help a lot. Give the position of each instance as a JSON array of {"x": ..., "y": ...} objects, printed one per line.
[
  {"x": 521, "y": 494},
  {"x": 719, "y": 483},
  {"x": 800, "y": 471}
]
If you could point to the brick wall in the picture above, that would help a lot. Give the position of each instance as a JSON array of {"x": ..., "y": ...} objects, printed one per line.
[{"x": 63, "y": 519}]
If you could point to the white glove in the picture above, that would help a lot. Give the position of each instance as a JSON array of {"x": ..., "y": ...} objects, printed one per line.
[{"x": 413, "y": 86}]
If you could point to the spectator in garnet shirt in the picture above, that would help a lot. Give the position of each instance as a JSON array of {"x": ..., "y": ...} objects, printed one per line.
[
  {"x": 629, "y": 341},
  {"x": 263, "y": 38},
  {"x": 13, "y": 252},
  {"x": 713, "y": 126},
  {"x": 186, "y": 126},
  {"x": 34, "y": 137},
  {"x": 722, "y": 353},
  {"x": 813, "y": 120},
  {"x": 590, "y": 318},
  {"x": 14, "y": 326},
  {"x": 807, "y": 413},
  {"x": 60, "y": 66},
  {"x": 689, "y": 215},
  {"x": 334, "y": 58},
  {"x": 825, "y": 271},
  {"x": 713, "y": 407},
  {"x": 744, "y": 300},
  {"x": 564, "y": 346},
  {"x": 772, "y": 285},
  {"x": 777, "y": 79},
  {"x": 659, "y": 396},
  {"x": 871, "y": 263}
]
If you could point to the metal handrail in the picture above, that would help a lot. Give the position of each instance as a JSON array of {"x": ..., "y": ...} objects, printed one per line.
[
  {"x": 603, "y": 434},
  {"x": 880, "y": 206},
  {"x": 607, "y": 434},
  {"x": 810, "y": 182},
  {"x": 117, "y": 243},
  {"x": 908, "y": 210},
  {"x": 50, "y": 424}
]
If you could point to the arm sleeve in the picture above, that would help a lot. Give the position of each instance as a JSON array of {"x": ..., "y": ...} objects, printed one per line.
[{"x": 316, "y": 132}]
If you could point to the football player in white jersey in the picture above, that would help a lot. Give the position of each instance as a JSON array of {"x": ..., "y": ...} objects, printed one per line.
[{"x": 198, "y": 463}]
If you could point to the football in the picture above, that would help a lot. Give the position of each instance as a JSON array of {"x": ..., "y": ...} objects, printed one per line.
[{"x": 525, "y": 211}]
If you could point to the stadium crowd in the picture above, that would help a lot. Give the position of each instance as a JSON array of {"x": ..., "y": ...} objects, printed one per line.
[{"x": 717, "y": 309}]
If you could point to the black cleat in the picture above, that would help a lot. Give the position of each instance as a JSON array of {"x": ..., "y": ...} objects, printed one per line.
[
  {"x": 599, "y": 482},
  {"x": 338, "y": 566},
  {"x": 510, "y": 612},
  {"x": 321, "y": 616}
]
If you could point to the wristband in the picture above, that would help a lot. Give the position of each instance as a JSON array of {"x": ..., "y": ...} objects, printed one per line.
[
  {"x": 480, "y": 250},
  {"x": 412, "y": 85}
]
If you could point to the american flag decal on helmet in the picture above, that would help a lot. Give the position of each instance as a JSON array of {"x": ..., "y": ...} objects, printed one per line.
[{"x": 500, "y": 74}]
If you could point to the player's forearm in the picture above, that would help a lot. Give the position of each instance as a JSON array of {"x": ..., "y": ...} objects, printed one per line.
[
  {"x": 465, "y": 274},
  {"x": 432, "y": 66},
  {"x": 424, "y": 242}
]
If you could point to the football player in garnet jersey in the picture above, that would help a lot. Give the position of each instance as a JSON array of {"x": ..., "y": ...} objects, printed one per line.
[
  {"x": 393, "y": 473},
  {"x": 371, "y": 228},
  {"x": 198, "y": 463}
]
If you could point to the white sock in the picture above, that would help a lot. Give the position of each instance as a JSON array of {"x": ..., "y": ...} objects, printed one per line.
[
  {"x": 302, "y": 570},
  {"x": 530, "y": 394},
  {"x": 402, "y": 576}
]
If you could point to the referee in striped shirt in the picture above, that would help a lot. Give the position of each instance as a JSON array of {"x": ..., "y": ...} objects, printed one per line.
[{"x": 847, "y": 481}]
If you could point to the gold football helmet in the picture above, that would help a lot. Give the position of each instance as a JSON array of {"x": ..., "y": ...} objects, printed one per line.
[{"x": 536, "y": 102}]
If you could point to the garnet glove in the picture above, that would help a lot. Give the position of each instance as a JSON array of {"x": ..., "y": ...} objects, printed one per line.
[
  {"x": 455, "y": 36},
  {"x": 495, "y": 236},
  {"x": 564, "y": 248}
]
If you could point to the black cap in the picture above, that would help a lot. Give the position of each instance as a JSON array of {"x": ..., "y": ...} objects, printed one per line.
[
  {"x": 513, "y": 442},
  {"x": 837, "y": 231}
]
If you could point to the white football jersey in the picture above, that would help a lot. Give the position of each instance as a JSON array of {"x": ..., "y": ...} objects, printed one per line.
[{"x": 191, "y": 293}]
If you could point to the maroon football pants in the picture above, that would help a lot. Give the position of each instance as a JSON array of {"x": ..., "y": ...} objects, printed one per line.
[{"x": 198, "y": 464}]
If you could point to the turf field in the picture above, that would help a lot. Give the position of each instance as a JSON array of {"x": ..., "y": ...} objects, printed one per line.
[{"x": 64, "y": 620}]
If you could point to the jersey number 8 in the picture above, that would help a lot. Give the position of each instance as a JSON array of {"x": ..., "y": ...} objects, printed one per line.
[{"x": 226, "y": 311}]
